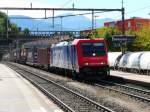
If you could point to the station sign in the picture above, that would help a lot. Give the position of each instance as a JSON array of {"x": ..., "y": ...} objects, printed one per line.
[{"x": 123, "y": 38}]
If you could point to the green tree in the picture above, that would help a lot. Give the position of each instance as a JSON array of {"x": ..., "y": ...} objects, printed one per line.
[
  {"x": 26, "y": 31},
  {"x": 108, "y": 37},
  {"x": 5, "y": 26},
  {"x": 142, "y": 41},
  {"x": 107, "y": 33},
  {"x": 14, "y": 28},
  {"x": 112, "y": 31},
  {"x": 3, "y": 22}
]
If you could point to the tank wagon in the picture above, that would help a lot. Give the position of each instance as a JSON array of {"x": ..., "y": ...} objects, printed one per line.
[
  {"x": 137, "y": 62},
  {"x": 112, "y": 58}
]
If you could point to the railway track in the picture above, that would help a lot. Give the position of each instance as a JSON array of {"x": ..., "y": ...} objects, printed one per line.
[
  {"x": 138, "y": 94},
  {"x": 67, "y": 99}
]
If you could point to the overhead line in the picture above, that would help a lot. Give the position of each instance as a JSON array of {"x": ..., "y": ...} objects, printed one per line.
[
  {"x": 64, "y": 9},
  {"x": 66, "y": 3},
  {"x": 137, "y": 10},
  {"x": 133, "y": 11},
  {"x": 56, "y": 16}
]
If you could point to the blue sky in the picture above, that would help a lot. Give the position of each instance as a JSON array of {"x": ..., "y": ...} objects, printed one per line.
[{"x": 134, "y": 8}]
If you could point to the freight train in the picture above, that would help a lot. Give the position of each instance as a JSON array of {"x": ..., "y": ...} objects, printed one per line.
[
  {"x": 80, "y": 57},
  {"x": 136, "y": 62}
]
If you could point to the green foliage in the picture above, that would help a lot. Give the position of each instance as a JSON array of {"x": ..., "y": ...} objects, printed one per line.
[
  {"x": 3, "y": 22},
  {"x": 142, "y": 41},
  {"x": 14, "y": 28},
  {"x": 6, "y": 25},
  {"x": 107, "y": 33},
  {"x": 26, "y": 31},
  {"x": 108, "y": 37},
  {"x": 112, "y": 31}
]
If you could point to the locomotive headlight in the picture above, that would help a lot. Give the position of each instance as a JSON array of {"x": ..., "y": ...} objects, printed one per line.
[
  {"x": 94, "y": 54},
  {"x": 102, "y": 63},
  {"x": 86, "y": 63}
]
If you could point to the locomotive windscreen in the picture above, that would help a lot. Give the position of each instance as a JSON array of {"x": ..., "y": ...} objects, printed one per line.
[{"x": 93, "y": 49}]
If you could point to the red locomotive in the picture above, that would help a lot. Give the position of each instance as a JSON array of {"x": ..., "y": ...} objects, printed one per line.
[{"x": 82, "y": 56}]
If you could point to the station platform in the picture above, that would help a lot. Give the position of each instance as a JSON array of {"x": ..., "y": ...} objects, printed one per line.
[
  {"x": 19, "y": 95},
  {"x": 131, "y": 77}
]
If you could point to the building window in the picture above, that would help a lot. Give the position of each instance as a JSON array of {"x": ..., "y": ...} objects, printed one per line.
[
  {"x": 112, "y": 24},
  {"x": 129, "y": 24},
  {"x": 139, "y": 25}
]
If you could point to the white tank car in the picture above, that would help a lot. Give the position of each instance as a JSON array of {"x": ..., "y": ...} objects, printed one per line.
[
  {"x": 134, "y": 61},
  {"x": 145, "y": 61},
  {"x": 112, "y": 56},
  {"x": 124, "y": 60}
]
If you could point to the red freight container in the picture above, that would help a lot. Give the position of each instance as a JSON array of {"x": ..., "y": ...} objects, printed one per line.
[
  {"x": 43, "y": 57},
  {"x": 23, "y": 55}
]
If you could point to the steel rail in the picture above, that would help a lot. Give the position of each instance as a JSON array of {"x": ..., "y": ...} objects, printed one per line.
[
  {"x": 50, "y": 95},
  {"x": 128, "y": 87},
  {"x": 125, "y": 93},
  {"x": 87, "y": 100}
]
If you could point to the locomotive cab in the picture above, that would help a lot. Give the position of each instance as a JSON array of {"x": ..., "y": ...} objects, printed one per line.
[{"x": 93, "y": 57}]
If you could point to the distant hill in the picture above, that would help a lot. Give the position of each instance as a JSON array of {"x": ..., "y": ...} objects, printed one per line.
[
  {"x": 75, "y": 23},
  {"x": 32, "y": 24}
]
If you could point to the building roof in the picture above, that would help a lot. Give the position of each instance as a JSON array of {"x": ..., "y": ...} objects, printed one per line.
[{"x": 129, "y": 19}]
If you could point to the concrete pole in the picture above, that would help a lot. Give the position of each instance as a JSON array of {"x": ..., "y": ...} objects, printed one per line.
[{"x": 7, "y": 25}]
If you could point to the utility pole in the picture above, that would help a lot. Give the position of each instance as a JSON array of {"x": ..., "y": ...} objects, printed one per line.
[
  {"x": 95, "y": 21},
  {"x": 7, "y": 25},
  {"x": 123, "y": 12},
  {"x": 31, "y": 5},
  {"x": 73, "y": 5},
  {"x": 92, "y": 19},
  {"x": 53, "y": 20},
  {"x": 45, "y": 14},
  {"x": 123, "y": 27},
  {"x": 61, "y": 23}
]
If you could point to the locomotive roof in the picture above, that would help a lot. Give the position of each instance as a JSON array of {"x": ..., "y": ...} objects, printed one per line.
[
  {"x": 47, "y": 43},
  {"x": 75, "y": 42},
  {"x": 64, "y": 43},
  {"x": 87, "y": 40}
]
